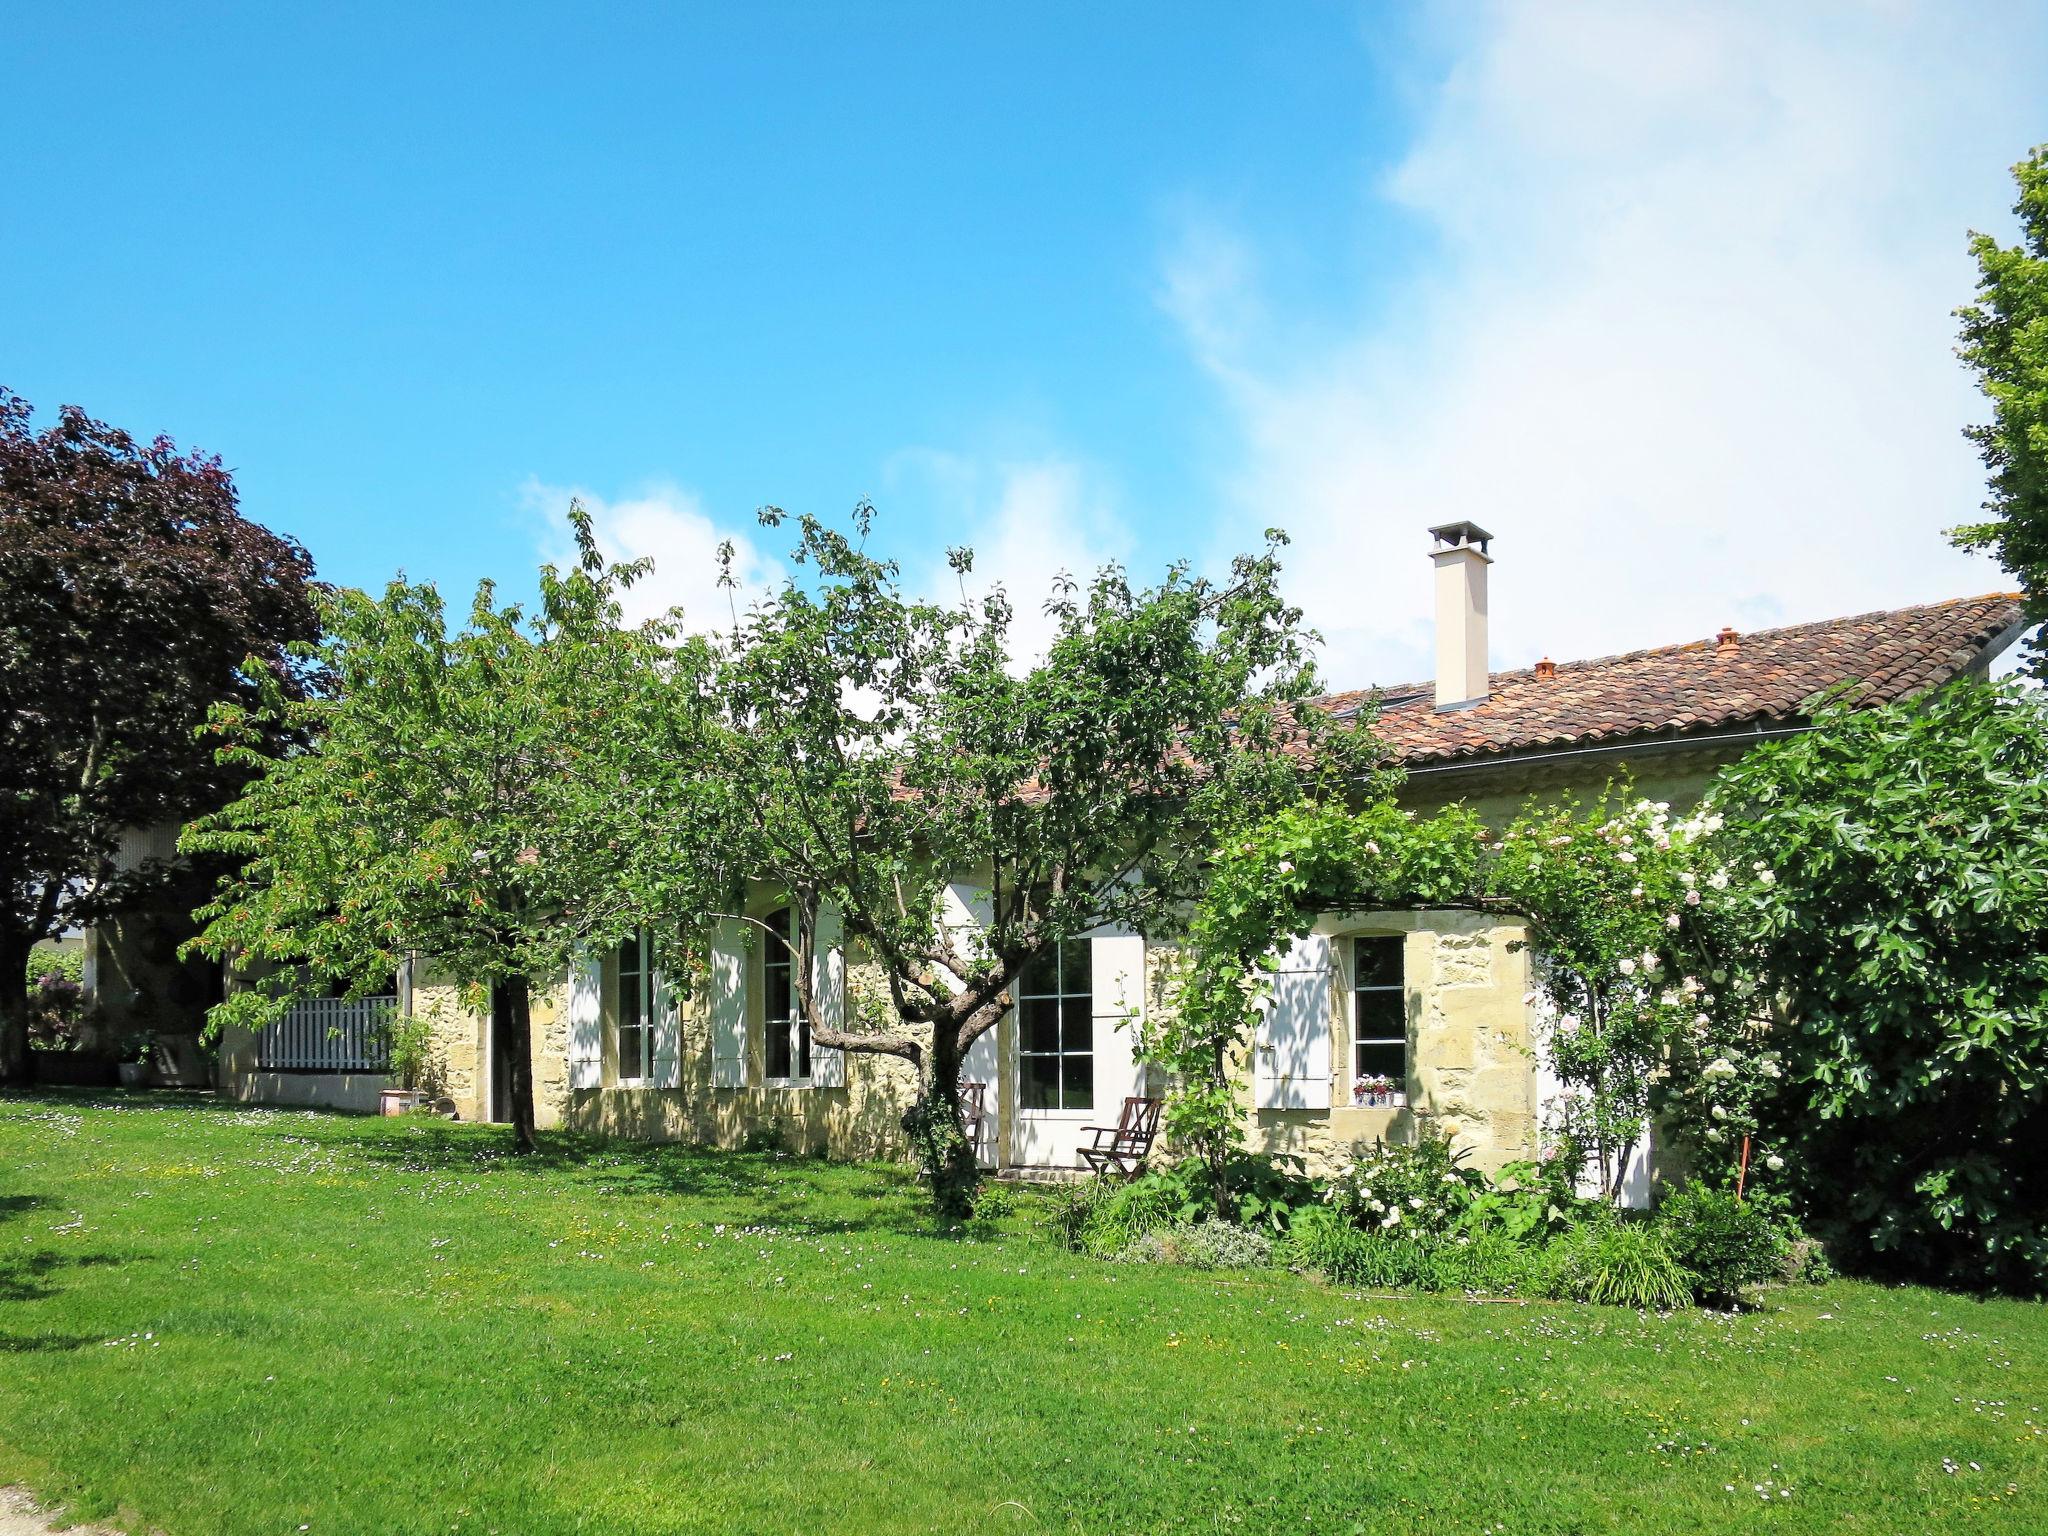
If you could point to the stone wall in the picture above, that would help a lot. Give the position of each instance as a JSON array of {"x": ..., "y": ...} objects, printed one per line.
[{"x": 1472, "y": 1069}]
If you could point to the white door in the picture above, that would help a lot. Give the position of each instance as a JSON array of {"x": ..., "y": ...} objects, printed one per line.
[{"x": 1072, "y": 1040}]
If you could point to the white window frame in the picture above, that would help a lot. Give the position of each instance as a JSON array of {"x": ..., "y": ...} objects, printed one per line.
[
  {"x": 1061, "y": 995},
  {"x": 643, "y": 984},
  {"x": 1400, "y": 990},
  {"x": 797, "y": 1028}
]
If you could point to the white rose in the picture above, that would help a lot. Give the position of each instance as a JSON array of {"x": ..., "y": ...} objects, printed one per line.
[
  {"x": 1626, "y": 966},
  {"x": 1774, "y": 1162},
  {"x": 1671, "y": 920}
]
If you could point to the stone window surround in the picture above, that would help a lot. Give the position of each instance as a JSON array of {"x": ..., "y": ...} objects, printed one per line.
[{"x": 757, "y": 1003}]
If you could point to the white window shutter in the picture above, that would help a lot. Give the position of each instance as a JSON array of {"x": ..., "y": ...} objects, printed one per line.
[
  {"x": 728, "y": 1005},
  {"x": 1119, "y": 966},
  {"x": 828, "y": 988},
  {"x": 586, "y": 1023},
  {"x": 1118, "y": 1004},
  {"x": 1291, "y": 1057},
  {"x": 668, "y": 1034}
]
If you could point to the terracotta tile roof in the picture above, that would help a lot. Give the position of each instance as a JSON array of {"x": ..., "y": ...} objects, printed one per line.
[{"x": 1768, "y": 676}]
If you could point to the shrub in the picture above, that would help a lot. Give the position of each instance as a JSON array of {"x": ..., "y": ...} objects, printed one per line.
[
  {"x": 1326, "y": 1243},
  {"x": 1725, "y": 1245},
  {"x": 1204, "y": 1245},
  {"x": 1102, "y": 1218},
  {"x": 1889, "y": 873},
  {"x": 56, "y": 997},
  {"x": 995, "y": 1200},
  {"x": 1421, "y": 1189},
  {"x": 1528, "y": 1202},
  {"x": 1618, "y": 1264}
]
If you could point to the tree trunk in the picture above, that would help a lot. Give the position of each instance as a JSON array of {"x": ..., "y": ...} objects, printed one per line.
[
  {"x": 944, "y": 1154},
  {"x": 512, "y": 1034},
  {"x": 14, "y": 1062}
]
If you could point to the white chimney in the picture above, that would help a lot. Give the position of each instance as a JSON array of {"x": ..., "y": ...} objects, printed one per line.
[{"x": 1461, "y": 562}]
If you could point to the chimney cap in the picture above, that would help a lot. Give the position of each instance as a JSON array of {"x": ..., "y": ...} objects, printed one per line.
[
  {"x": 1546, "y": 669},
  {"x": 1727, "y": 639},
  {"x": 1452, "y": 535}
]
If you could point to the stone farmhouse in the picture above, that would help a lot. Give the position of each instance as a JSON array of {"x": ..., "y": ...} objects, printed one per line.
[{"x": 1435, "y": 1003}]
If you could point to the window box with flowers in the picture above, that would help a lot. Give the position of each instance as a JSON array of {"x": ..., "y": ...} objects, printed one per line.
[{"x": 1373, "y": 1091}]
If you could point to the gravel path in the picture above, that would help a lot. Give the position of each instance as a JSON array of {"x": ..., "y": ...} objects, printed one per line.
[{"x": 21, "y": 1515}]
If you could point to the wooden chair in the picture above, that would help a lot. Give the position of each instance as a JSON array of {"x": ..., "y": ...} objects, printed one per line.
[
  {"x": 973, "y": 1110},
  {"x": 1122, "y": 1148}
]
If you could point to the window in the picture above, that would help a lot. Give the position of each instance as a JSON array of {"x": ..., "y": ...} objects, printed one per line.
[
  {"x": 1379, "y": 1021},
  {"x": 636, "y": 1010},
  {"x": 1056, "y": 1030},
  {"x": 789, "y": 1033}
]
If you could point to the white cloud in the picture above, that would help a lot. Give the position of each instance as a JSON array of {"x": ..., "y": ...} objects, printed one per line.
[
  {"x": 1027, "y": 521},
  {"x": 668, "y": 525},
  {"x": 1683, "y": 342}
]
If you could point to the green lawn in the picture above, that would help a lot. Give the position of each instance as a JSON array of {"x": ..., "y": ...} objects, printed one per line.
[{"x": 223, "y": 1320}]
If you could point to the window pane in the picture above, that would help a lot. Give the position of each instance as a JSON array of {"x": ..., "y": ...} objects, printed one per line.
[
  {"x": 1381, "y": 1016},
  {"x": 1384, "y": 1061},
  {"x": 777, "y": 1063},
  {"x": 1077, "y": 1028},
  {"x": 776, "y": 991},
  {"x": 1040, "y": 977},
  {"x": 1077, "y": 966},
  {"x": 1379, "y": 961},
  {"x": 629, "y": 1000},
  {"x": 803, "y": 1048},
  {"x": 1080, "y": 1082},
  {"x": 1040, "y": 1024},
  {"x": 1038, "y": 1081}
]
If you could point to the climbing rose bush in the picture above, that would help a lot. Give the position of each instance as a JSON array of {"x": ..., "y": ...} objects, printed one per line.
[{"x": 1646, "y": 1016}]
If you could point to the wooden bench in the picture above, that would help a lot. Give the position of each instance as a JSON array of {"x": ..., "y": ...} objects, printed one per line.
[{"x": 1122, "y": 1148}]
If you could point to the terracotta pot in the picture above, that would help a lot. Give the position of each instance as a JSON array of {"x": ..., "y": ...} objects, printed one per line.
[{"x": 398, "y": 1101}]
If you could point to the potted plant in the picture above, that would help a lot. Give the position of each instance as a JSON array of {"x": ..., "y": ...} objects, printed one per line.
[
  {"x": 134, "y": 1058},
  {"x": 1370, "y": 1090},
  {"x": 406, "y": 1038}
]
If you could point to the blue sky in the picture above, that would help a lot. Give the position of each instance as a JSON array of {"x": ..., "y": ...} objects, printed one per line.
[{"x": 1659, "y": 294}]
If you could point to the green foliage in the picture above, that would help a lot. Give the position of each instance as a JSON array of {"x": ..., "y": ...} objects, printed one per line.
[
  {"x": 1618, "y": 1264},
  {"x": 408, "y": 1042},
  {"x": 2004, "y": 338},
  {"x": 1103, "y": 1216},
  {"x": 458, "y": 796},
  {"x": 49, "y": 963},
  {"x": 1725, "y": 1244},
  {"x": 1893, "y": 877},
  {"x": 57, "y": 1010},
  {"x": 1324, "y": 1242},
  {"x": 1526, "y": 1202}
]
